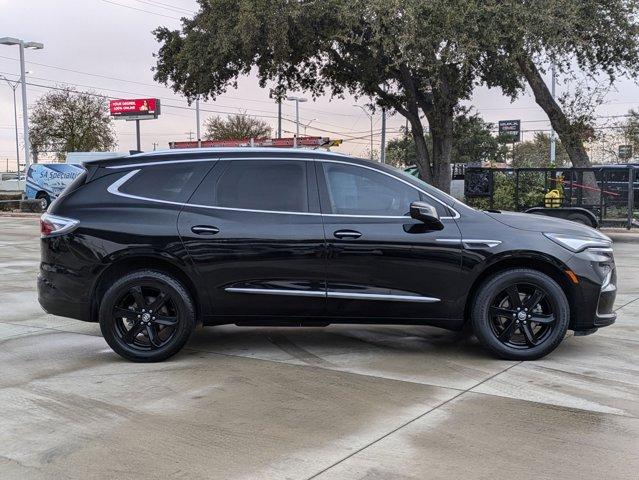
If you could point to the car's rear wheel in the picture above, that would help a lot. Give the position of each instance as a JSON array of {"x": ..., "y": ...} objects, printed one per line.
[
  {"x": 147, "y": 316},
  {"x": 520, "y": 314}
]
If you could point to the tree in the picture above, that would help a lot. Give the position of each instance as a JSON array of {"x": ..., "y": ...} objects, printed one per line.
[
  {"x": 534, "y": 153},
  {"x": 599, "y": 37},
  {"x": 472, "y": 142},
  {"x": 417, "y": 58},
  {"x": 235, "y": 127},
  {"x": 630, "y": 129},
  {"x": 65, "y": 120}
]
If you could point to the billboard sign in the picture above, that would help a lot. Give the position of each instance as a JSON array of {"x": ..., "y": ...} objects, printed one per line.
[
  {"x": 510, "y": 130},
  {"x": 140, "y": 108}
]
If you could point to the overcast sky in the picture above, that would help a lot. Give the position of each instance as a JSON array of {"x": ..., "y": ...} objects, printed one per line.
[{"x": 88, "y": 40}]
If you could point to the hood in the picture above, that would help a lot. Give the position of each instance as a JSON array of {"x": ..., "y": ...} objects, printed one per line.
[{"x": 543, "y": 224}]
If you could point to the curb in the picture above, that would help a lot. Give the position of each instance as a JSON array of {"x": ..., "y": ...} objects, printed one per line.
[{"x": 19, "y": 215}]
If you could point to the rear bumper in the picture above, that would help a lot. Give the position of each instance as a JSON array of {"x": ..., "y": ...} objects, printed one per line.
[{"x": 57, "y": 302}]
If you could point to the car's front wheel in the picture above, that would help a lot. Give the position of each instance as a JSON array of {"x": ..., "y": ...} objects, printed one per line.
[
  {"x": 520, "y": 314},
  {"x": 147, "y": 316}
]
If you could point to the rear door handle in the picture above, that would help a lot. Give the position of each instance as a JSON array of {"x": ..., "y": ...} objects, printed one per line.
[
  {"x": 353, "y": 234},
  {"x": 205, "y": 230}
]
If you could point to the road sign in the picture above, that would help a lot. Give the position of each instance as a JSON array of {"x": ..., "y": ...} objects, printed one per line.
[
  {"x": 625, "y": 152},
  {"x": 138, "y": 108},
  {"x": 510, "y": 130}
]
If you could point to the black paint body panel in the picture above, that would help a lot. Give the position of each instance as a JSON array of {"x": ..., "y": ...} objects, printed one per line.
[{"x": 298, "y": 252}]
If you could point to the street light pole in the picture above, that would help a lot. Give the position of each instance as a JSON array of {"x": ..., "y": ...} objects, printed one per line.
[
  {"x": 553, "y": 146},
  {"x": 297, "y": 101},
  {"x": 13, "y": 86},
  {"x": 371, "y": 119},
  {"x": 25, "y": 113},
  {"x": 197, "y": 120}
]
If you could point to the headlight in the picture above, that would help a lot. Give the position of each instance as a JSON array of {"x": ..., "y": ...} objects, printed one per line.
[{"x": 576, "y": 243}]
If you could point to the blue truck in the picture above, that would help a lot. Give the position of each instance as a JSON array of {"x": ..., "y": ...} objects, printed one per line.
[{"x": 45, "y": 181}]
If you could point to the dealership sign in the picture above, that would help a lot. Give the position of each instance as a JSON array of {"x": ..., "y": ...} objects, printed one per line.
[
  {"x": 625, "y": 152},
  {"x": 135, "y": 109},
  {"x": 510, "y": 130}
]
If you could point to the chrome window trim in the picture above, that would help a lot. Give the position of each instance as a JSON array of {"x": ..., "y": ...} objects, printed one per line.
[
  {"x": 388, "y": 298},
  {"x": 342, "y": 295},
  {"x": 114, "y": 189}
]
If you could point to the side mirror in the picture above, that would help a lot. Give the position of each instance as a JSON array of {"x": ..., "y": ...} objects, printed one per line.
[{"x": 426, "y": 214}]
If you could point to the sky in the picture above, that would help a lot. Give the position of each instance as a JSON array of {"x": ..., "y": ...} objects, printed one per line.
[{"x": 106, "y": 46}]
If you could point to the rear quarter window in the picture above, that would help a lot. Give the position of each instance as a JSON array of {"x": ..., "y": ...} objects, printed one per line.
[{"x": 172, "y": 182}]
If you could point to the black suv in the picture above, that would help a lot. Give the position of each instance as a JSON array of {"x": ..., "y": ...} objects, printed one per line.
[{"x": 151, "y": 244}]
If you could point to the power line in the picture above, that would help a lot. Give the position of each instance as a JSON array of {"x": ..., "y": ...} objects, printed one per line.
[{"x": 140, "y": 10}]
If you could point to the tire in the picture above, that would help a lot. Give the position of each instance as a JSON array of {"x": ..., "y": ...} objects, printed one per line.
[
  {"x": 500, "y": 305},
  {"x": 45, "y": 200},
  {"x": 130, "y": 326}
]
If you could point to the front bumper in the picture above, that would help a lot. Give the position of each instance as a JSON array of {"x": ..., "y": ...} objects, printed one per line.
[{"x": 593, "y": 299}]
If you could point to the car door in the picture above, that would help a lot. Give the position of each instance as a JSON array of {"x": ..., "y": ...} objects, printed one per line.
[
  {"x": 254, "y": 232},
  {"x": 382, "y": 263}
]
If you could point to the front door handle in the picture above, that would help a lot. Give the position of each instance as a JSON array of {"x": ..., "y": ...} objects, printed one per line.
[
  {"x": 205, "y": 230},
  {"x": 353, "y": 234}
]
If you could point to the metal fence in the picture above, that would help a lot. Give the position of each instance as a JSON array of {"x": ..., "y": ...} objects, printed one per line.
[{"x": 610, "y": 192}]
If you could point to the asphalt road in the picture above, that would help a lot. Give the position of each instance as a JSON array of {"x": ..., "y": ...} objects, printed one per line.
[{"x": 343, "y": 402}]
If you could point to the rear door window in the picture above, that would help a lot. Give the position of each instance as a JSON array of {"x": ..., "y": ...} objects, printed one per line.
[
  {"x": 271, "y": 185},
  {"x": 173, "y": 182}
]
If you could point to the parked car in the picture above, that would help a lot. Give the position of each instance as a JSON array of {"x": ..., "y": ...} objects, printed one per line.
[
  {"x": 153, "y": 243},
  {"x": 45, "y": 181}
]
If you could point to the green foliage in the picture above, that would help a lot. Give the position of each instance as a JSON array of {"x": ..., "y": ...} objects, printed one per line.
[
  {"x": 235, "y": 127},
  {"x": 401, "y": 152},
  {"x": 472, "y": 142},
  {"x": 630, "y": 130},
  {"x": 64, "y": 120},
  {"x": 417, "y": 58},
  {"x": 536, "y": 153}
]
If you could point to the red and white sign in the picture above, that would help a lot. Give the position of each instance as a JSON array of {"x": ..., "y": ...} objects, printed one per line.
[{"x": 139, "y": 107}]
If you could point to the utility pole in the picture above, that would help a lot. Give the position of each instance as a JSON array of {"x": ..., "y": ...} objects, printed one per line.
[
  {"x": 190, "y": 133},
  {"x": 137, "y": 135},
  {"x": 25, "y": 107},
  {"x": 197, "y": 120},
  {"x": 14, "y": 86},
  {"x": 552, "y": 130},
  {"x": 371, "y": 119},
  {"x": 155, "y": 144},
  {"x": 297, "y": 101},
  {"x": 279, "y": 117},
  {"x": 382, "y": 156}
]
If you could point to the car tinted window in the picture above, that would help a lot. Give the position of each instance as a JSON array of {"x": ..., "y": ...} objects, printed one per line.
[
  {"x": 276, "y": 185},
  {"x": 171, "y": 182},
  {"x": 355, "y": 190}
]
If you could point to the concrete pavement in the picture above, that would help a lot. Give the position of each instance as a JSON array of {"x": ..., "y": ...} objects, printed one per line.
[{"x": 336, "y": 403}]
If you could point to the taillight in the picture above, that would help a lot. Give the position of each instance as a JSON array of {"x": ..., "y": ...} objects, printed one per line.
[{"x": 51, "y": 225}]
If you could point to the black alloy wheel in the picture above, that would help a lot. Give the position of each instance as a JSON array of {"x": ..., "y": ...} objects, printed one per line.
[
  {"x": 520, "y": 314},
  {"x": 147, "y": 316}
]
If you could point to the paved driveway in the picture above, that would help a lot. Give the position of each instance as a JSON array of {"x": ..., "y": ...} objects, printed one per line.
[{"x": 336, "y": 403}]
